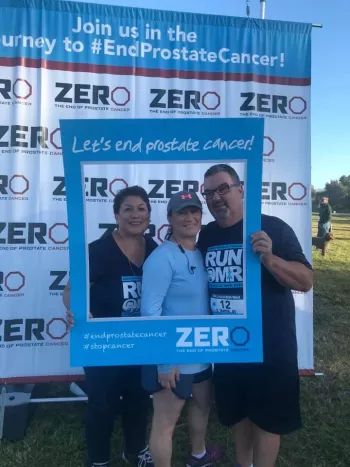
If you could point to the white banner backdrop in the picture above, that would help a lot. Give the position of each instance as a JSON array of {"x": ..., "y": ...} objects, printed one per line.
[{"x": 33, "y": 226}]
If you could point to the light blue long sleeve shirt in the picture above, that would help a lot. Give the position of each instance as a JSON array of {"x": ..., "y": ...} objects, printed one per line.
[{"x": 169, "y": 289}]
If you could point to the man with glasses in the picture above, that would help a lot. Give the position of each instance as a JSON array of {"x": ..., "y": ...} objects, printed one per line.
[{"x": 259, "y": 401}]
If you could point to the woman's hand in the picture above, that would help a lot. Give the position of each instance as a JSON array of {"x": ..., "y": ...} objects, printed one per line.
[
  {"x": 168, "y": 380},
  {"x": 70, "y": 318}
]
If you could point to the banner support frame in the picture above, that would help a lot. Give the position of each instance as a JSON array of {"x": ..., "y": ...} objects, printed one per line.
[{"x": 263, "y": 12}]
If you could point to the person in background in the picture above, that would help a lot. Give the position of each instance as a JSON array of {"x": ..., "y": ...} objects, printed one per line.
[
  {"x": 115, "y": 266},
  {"x": 325, "y": 217},
  {"x": 175, "y": 283},
  {"x": 259, "y": 401}
]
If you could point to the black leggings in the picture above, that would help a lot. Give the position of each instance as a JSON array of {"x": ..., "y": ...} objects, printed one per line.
[{"x": 105, "y": 385}]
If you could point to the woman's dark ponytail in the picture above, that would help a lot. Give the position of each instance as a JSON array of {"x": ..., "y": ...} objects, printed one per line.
[
  {"x": 169, "y": 233},
  {"x": 170, "y": 229}
]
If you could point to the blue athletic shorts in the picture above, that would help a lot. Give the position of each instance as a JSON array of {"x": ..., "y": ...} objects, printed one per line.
[{"x": 183, "y": 388}]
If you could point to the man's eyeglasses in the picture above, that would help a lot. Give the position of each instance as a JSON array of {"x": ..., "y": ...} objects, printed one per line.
[{"x": 220, "y": 190}]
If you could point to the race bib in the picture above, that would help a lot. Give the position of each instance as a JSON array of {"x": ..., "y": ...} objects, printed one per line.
[
  {"x": 227, "y": 305},
  {"x": 224, "y": 265},
  {"x": 131, "y": 286}
]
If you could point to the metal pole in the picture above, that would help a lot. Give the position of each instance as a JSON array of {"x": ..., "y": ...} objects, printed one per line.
[
  {"x": 58, "y": 399},
  {"x": 2, "y": 409},
  {"x": 262, "y": 9}
]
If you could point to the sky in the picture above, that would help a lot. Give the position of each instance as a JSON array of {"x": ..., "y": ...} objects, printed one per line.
[{"x": 330, "y": 89}]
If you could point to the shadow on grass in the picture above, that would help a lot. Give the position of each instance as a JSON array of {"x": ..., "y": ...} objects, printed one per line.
[
  {"x": 340, "y": 229},
  {"x": 345, "y": 220},
  {"x": 332, "y": 285}
]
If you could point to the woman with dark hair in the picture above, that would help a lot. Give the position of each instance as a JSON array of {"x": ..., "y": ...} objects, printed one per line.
[
  {"x": 115, "y": 266},
  {"x": 180, "y": 289}
]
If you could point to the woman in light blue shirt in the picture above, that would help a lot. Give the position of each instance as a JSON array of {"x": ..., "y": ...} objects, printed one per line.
[{"x": 175, "y": 284}]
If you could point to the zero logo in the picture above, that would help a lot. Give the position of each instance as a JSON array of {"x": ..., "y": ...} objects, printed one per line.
[
  {"x": 162, "y": 231},
  {"x": 30, "y": 233},
  {"x": 14, "y": 281},
  {"x": 297, "y": 105},
  {"x": 240, "y": 336},
  {"x": 91, "y": 94},
  {"x": 19, "y": 184},
  {"x": 116, "y": 185},
  {"x": 202, "y": 337},
  {"x": 170, "y": 187},
  {"x": 272, "y": 104},
  {"x": 281, "y": 191},
  {"x": 57, "y": 328},
  {"x": 59, "y": 283},
  {"x": 32, "y": 330},
  {"x": 60, "y": 228},
  {"x": 55, "y": 139},
  {"x": 297, "y": 191},
  {"x": 22, "y": 89},
  {"x": 269, "y": 146},
  {"x": 184, "y": 99},
  {"x": 211, "y": 100},
  {"x": 120, "y": 96}
]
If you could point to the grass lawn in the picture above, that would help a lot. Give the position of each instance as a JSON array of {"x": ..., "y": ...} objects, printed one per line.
[{"x": 55, "y": 436}]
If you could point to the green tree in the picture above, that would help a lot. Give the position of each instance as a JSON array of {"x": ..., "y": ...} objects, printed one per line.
[
  {"x": 313, "y": 194},
  {"x": 338, "y": 192}
]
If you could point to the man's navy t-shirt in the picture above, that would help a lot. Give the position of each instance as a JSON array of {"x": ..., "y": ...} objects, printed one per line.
[
  {"x": 278, "y": 308},
  {"x": 115, "y": 289}
]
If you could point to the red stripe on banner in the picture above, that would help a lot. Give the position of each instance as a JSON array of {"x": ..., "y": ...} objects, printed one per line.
[
  {"x": 152, "y": 72},
  {"x": 42, "y": 379},
  {"x": 307, "y": 372}
]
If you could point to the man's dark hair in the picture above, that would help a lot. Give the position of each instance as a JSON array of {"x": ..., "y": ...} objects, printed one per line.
[
  {"x": 215, "y": 169},
  {"x": 130, "y": 191}
]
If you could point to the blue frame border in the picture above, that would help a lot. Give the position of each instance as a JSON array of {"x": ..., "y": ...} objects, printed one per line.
[{"x": 137, "y": 341}]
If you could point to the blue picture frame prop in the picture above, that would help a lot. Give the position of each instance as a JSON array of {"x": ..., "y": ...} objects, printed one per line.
[{"x": 128, "y": 341}]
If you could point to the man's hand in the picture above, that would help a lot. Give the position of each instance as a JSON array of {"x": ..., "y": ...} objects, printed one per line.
[
  {"x": 262, "y": 244},
  {"x": 168, "y": 380}
]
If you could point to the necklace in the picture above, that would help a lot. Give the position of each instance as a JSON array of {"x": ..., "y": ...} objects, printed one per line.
[
  {"x": 132, "y": 270},
  {"x": 125, "y": 254}
]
